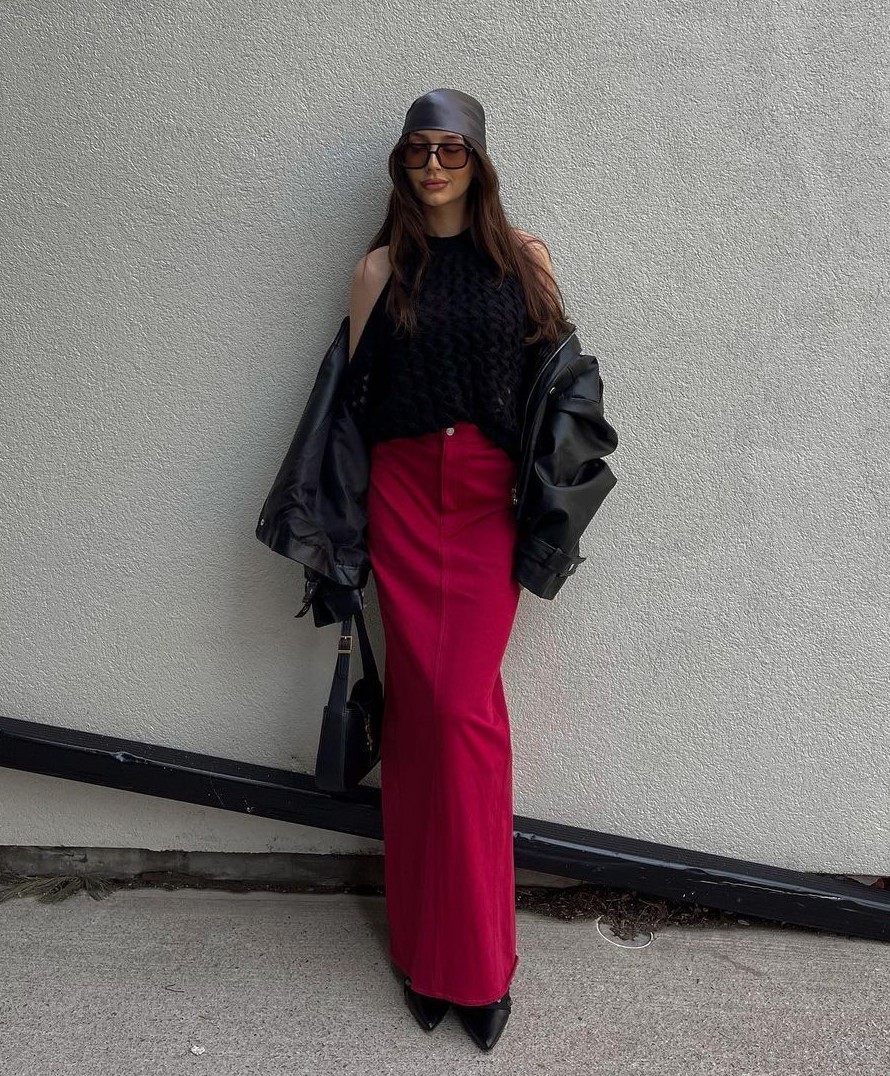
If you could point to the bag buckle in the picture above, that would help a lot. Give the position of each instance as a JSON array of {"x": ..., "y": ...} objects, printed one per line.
[{"x": 341, "y": 649}]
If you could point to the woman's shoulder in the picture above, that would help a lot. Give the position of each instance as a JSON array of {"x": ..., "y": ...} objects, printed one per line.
[
  {"x": 371, "y": 272},
  {"x": 537, "y": 249},
  {"x": 536, "y": 246}
]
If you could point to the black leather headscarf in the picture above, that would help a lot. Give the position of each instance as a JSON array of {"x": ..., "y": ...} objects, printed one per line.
[{"x": 447, "y": 110}]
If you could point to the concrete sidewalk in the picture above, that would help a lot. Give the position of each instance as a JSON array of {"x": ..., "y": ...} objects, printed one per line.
[{"x": 182, "y": 981}]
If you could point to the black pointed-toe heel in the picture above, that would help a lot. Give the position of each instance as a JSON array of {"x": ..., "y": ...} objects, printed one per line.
[
  {"x": 486, "y": 1023},
  {"x": 427, "y": 1011}
]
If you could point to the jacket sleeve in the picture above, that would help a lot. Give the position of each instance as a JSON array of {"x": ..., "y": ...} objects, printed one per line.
[
  {"x": 330, "y": 602},
  {"x": 568, "y": 481},
  {"x": 315, "y": 512}
]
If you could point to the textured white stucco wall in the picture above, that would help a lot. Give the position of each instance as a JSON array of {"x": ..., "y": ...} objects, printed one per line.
[{"x": 185, "y": 189}]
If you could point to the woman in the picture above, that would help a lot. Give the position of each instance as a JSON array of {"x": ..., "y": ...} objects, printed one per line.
[{"x": 445, "y": 310}]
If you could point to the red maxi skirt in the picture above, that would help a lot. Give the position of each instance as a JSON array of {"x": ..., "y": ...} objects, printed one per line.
[{"x": 441, "y": 534}]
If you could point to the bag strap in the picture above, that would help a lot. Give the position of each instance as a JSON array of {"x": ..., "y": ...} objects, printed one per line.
[{"x": 339, "y": 686}]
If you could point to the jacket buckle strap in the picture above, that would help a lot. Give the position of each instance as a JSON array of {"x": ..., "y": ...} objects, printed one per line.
[
  {"x": 553, "y": 558},
  {"x": 313, "y": 582},
  {"x": 560, "y": 563}
]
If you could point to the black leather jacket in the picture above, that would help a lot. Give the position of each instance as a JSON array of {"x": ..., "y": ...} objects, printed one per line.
[{"x": 315, "y": 512}]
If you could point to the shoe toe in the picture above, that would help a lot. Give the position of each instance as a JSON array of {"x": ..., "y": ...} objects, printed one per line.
[
  {"x": 485, "y": 1023},
  {"x": 426, "y": 1010}
]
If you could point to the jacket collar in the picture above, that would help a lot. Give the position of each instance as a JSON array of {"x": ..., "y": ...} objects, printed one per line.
[{"x": 553, "y": 360}]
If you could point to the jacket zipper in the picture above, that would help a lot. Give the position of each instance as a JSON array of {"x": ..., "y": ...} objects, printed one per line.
[{"x": 525, "y": 425}]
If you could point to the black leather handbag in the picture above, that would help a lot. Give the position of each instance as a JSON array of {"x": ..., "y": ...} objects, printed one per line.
[{"x": 349, "y": 746}]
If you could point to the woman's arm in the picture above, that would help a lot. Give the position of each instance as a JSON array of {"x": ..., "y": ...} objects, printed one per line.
[{"x": 368, "y": 280}]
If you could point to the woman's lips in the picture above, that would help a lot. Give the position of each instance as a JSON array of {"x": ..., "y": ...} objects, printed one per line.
[{"x": 434, "y": 184}]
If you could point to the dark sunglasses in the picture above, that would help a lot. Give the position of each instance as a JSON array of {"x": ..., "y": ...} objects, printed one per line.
[{"x": 449, "y": 154}]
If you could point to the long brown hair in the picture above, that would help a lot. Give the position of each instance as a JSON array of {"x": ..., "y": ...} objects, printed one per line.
[{"x": 403, "y": 231}]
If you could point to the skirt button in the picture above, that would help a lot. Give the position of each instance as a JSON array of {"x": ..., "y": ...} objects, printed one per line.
[{"x": 449, "y": 430}]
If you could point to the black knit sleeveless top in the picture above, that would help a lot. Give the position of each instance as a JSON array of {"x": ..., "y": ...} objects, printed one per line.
[{"x": 464, "y": 362}]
